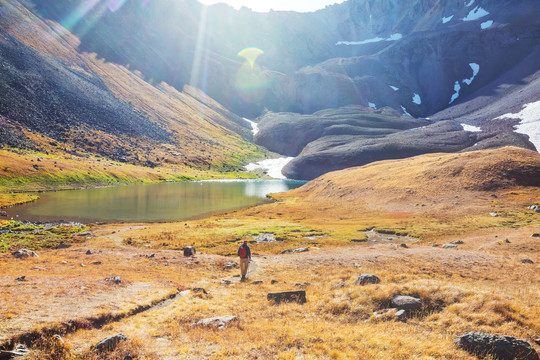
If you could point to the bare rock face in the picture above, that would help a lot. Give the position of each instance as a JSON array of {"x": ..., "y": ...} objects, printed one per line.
[{"x": 496, "y": 346}]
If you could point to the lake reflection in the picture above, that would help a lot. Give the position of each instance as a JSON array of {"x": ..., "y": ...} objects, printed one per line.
[{"x": 150, "y": 202}]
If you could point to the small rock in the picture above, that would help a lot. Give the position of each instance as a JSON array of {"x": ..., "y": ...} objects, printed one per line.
[
  {"x": 21, "y": 278},
  {"x": 218, "y": 322},
  {"x": 189, "y": 251},
  {"x": 200, "y": 291},
  {"x": 457, "y": 242},
  {"x": 114, "y": 279},
  {"x": 3, "y": 213},
  {"x": 535, "y": 235},
  {"x": 404, "y": 302},
  {"x": 304, "y": 284},
  {"x": 400, "y": 315},
  {"x": 288, "y": 296},
  {"x": 58, "y": 338},
  {"x": 537, "y": 341},
  {"x": 291, "y": 251},
  {"x": 258, "y": 282},
  {"x": 535, "y": 208},
  {"x": 82, "y": 265},
  {"x": 338, "y": 286},
  {"x": 526, "y": 261},
  {"x": 364, "y": 279},
  {"x": 86, "y": 233},
  {"x": 496, "y": 346},
  {"x": 357, "y": 265},
  {"x": 40, "y": 269},
  {"x": 494, "y": 214},
  {"x": 449, "y": 246},
  {"x": 274, "y": 282},
  {"x": 231, "y": 265},
  {"x": 96, "y": 263},
  {"x": 128, "y": 357},
  {"x": 225, "y": 282},
  {"x": 151, "y": 256},
  {"x": 404, "y": 246},
  {"x": 89, "y": 252},
  {"x": 110, "y": 343},
  {"x": 24, "y": 253},
  {"x": 507, "y": 241},
  {"x": 20, "y": 350}
]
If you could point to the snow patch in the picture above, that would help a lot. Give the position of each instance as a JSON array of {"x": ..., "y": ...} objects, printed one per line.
[
  {"x": 486, "y": 24},
  {"x": 416, "y": 99},
  {"x": 272, "y": 167},
  {"x": 405, "y": 111},
  {"x": 457, "y": 88},
  {"x": 372, "y": 105},
  {"x": 471, "y": 128},
  {"x": 447, "y": 19},
  {"x": 394, "y": 88},
  {"x": 393, "y": 37},
  {"x": 254, "y": 126},
  {"x": 530, "y": 122},
  {"x": 476, "y": 14},
  {"x": 476, "y": 69},
  {"x": 469, "y": 4}
]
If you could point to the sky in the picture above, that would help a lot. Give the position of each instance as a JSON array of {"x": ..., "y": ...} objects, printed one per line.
[{"x": 266, "y": 5}]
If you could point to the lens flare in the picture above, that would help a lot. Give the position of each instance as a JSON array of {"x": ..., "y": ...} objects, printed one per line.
[{"x": 251, "y": 54}]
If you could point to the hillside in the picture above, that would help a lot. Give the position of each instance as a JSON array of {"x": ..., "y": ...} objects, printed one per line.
[{"x": 60, "y": 100}]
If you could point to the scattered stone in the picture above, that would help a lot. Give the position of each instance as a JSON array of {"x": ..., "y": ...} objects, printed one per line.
[
  {"x": 364, "y": 279},
  {"x": 357, "y": 265},
  {"x": 535, "y": 235},
  {"x": 231, "y": 265},
  {"x": 200, "y": 291},
  {"x": 3, "y": 213},
  {"x": 155, "y": 264},
  {"x": 449, "y": 246},
  {"x": 274, "y": 282},
  {"x": 403, "y": 245},
  {"x": 291, "y": 251},
  {"x": 526, "y": 261},
  {"x": 86, "y": 233},
  {"x": 24, "y": 253},
  {"x": 20, "y": 350},
  {"x": 90, "y": 252},
  {"x": 404, "y": 302},
  {"x": 400, "y": 315},
  {"x": 225, "y": 282},
  {"x": 435, "y": 245},
  {"x": 457, "y": 242},
  {"x": 537, "y": 341},
  {"x": 494, "y": 214},
  {"x": 114, "y": 279},
  {"x": 535, "y": 208},
  {"x": 96, "y": 263},
  {"x": 258, "y": 282},
  {"x": 63, "y": 246},
  {"x": 35, "y": 166},
  {"x": 288, "y": 296},
  {"x": 110, "y": 343},
  {"x": 218, "y": 322},
  {"x": 21, "y": 278},
  {"x": 304, "y": 284},
  {"x": 496, "y": 346},
  {"x": 338, "y": 286},
  {"x": 507, "y": 241},
  {"x": 40, "y": 269},
  {"x": 82, "y": 265},
  {"x": 189, "y": 251},
  {"x": 151, "y": 256}
]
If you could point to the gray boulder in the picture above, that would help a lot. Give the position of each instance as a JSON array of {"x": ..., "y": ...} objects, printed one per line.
[
  {"x": 24, "y": 253},
  {"x": 364, "y": 279},
  {"x": 496, "y": 346},
  {"x": 408, "y": 303},
  {"x": 189, "y": 251},
  {"x": 110, "y": 343},
  {"x": 526, "y": 261},
  {"x": 535, "y": 235},
  {"x": 449, "y": 246},
  {"x": 218, "y": 322}
]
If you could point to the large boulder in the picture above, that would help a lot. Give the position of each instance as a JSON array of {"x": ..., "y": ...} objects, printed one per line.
[
  {"x": 408, "y": 303},
  {"x": 496, "y": 346},
  {"x": 24, "y": 253},
  {"x": 364, "y": 279}
]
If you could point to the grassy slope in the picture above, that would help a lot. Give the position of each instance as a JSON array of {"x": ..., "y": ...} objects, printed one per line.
[
  {"x": 481, "y": 286},
  {"x": 200, "y": 139}
]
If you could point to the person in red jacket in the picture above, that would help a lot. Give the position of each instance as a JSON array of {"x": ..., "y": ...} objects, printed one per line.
[{"x": 245, "y": 257}]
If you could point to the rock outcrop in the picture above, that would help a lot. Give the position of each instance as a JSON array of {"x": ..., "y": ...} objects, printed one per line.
[{"x": 496, "y": 346}]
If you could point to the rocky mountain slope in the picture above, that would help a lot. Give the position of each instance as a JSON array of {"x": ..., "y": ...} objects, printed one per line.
[
  {"x": 57, "y": 99},
  {"x": 461, "y": 63}
]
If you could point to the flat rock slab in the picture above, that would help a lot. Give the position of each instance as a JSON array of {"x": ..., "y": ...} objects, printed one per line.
[
  {"x": 496, "y": 346},
  {"x": 409, "y": 303},
  {"x": 288, "y": 296},
  {"x": 219, "y": 321},
  {"x": 295, "y": 251}
]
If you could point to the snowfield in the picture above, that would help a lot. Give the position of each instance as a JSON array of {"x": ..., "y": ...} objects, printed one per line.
[
  {"x": 530, "y": 122},
  {"x": 272, "y": 167}
]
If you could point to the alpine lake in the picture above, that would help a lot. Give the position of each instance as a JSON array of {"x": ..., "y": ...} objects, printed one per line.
[{"x": 169, "y": 201}]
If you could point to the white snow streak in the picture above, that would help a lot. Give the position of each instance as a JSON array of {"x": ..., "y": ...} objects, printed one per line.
[
  {"x": 272, "y": 167},
  {"x": 457, "y": 88},
  {"x": 394, "y": 88},
  {"x": 530, "y": 122},
  {"x": 469, "y": 4},
  {"x": 486, "y": 24},
  {"x": 471, "y": 128},
  {"x": 476, "y": 69},
  {"x": 393, "y": 37},
  {"x": 476, "y": 14},
  {"x": 254, "y": 126},
  {"x": 416, "y": 99},
  {"x": 405, "y": 111},
  {"x": 372, "y": 105},
  {"x": 447, "y": 19}
]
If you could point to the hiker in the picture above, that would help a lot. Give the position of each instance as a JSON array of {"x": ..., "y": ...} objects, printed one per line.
[{"x": 245, "y": 257}]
